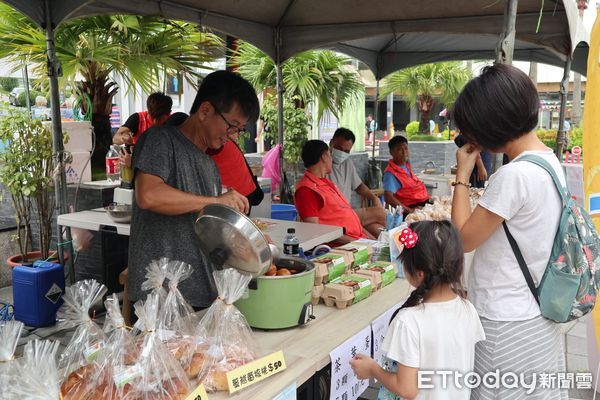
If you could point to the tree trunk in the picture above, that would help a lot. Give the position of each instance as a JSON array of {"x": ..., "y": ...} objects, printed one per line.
[
  {"x": 576, "y": 110},
  {"x": 425, "y": 104},
  {"x": 101, "y": 92},
  {"x": 533, "y": 73}
]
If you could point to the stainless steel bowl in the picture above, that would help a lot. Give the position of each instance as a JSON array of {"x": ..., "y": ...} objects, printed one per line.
[{"x": 120, "y": 213}]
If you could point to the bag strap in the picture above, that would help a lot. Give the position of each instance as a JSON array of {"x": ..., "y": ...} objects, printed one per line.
[
  {"x": 522, "y": 263},
  {"x": 546, "y": 165}
]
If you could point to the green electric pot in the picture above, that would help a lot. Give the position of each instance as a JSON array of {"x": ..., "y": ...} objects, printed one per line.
[{"x": 276, "y": 302}]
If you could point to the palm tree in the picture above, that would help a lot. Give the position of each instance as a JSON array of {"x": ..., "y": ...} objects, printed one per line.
[
  {"x": 92, "y": 50},
  {"x": 422, "y": 84},
  {"x": 314, "y": 74}
]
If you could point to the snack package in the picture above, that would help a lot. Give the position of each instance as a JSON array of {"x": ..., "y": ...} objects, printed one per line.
[
  {"x": 120, "y": 353},
  {"x": 10, "y": 331},
  {"x": 156, "y": 274},
  {"x": 155, "y": 374},
  {"x": 35, "y": 376},
  {"x": 78, "y": 370},
  {"x": 229, "y": 342}
]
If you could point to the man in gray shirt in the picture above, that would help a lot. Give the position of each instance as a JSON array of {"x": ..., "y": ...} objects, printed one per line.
[
  {"x": 347, "y": 180},
  {"x": 175, "y": 179}
]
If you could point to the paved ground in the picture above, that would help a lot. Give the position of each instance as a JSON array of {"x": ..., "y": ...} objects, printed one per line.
[{"x": 575, "y": 349}]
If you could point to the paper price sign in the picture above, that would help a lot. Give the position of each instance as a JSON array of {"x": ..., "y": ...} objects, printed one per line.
[
  {"x": 345, "y": 385},
  {"x": 255, "y": 371},
  {"x": 198, "y": 394}
]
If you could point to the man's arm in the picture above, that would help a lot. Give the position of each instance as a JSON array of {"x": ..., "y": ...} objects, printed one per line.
[
  {"x": 123, "y": 136},
  {"x": 153, "y": 194},
  {"x": 365, "y": 192},
  {"x": 393, "y": 201}
]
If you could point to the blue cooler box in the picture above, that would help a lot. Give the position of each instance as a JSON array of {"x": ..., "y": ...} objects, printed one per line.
[{"x": 37, "y": 293}]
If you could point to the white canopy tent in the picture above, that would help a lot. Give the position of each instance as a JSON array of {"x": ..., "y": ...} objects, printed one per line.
[{"x": 385, "y": 34}]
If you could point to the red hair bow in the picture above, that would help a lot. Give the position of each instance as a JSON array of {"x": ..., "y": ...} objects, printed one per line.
[{"x": 408, "y": 238}]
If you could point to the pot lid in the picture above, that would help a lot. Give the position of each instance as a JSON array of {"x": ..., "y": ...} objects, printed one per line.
[{"x": 230, "y": 239}]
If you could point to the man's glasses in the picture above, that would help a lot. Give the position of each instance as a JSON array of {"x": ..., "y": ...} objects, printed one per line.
[{"x": 231, "y": 129}]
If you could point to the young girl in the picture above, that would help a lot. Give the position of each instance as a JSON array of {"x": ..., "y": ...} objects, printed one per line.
[{"x": 436, "y": 329}]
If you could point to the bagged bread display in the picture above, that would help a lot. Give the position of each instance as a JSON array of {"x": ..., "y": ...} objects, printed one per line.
[
  {"x": 228, "y": 340},
  {"x": 35, "y": 375},
  {"x": 155, "y": 374},
  {"x": 77, "y": 366},
  {"x": 10, "y": 331}
]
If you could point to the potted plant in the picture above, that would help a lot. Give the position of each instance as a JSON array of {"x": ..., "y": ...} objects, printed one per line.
[{"x": 26, "y": 169}]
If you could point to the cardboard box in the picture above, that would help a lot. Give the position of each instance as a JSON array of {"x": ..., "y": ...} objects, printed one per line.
[
  {"x": 381, "y": 273},
  {"x": 346, "y": 290},
  {"x": 75, "y": 169},
  {"x": 317, "y": 292},
  {"x": 329, "y": 267},
  {"x": 360, "y": 252}
]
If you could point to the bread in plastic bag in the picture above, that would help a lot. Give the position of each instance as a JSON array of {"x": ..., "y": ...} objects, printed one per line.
[
  {"x": 156, "y": 274},
  {"x": 76, "y": 363},
  {"x": 10, "y": 332},
  {"x": 112, "y": 381},
  {"x": 35, "y": 375},
  {"x": 175, "y": 323},
  {"x": 228, "y": 340},
  {"x": 159, "y": 375}
]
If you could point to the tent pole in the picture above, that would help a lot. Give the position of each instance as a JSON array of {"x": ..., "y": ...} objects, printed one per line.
[
  {"x": 60, "y": 182},
  {"x": 561, "y": 135},
  {"x": 376, "y": 116},
  {"x": 505, "y": 49},
  {"x": 280, "y": 110}
]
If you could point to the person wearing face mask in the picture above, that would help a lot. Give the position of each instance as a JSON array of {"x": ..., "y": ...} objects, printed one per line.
[
  {"x": 319, "y": 201},
  {"x": 402, "y": 188},
  {"x": 347, "y": 180}
]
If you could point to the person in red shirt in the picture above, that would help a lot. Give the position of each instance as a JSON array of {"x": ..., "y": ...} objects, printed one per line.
[
  {"x": 402, "y": 188},
  {"x": 319, "y": 201},
  {"x": 159, "y": 109}
]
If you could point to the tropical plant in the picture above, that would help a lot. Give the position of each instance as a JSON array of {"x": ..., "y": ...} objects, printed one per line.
[
  {"x": 421, "y": 85},
  {"x": 315, "y": 74},
  {"x": 141, "y": 50},
  {"x": 412, "y": 128},
  {"x": 296, "y": 126},
  {"x": 8, "y": 83},
  {"x": 26, "y": 172}
]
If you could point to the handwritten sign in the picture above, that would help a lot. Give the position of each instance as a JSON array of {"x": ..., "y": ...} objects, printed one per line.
[
  {"x": 255, "y": 371},
  {"x": 198, "y": 394},
  {"x": 345, "y": 385}
]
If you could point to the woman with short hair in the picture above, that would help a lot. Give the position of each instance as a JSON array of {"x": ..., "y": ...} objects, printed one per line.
[{"x": 498, "y": 111}]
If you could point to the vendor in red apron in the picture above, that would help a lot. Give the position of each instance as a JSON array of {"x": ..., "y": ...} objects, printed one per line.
[
  {"x": 319, "y": 201},
  {"x": 402, "y": 188},
  {"x": 159, "y": 108}
]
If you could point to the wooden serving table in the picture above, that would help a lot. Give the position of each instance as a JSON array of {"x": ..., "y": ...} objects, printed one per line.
[{"x": 306, "y": 348}]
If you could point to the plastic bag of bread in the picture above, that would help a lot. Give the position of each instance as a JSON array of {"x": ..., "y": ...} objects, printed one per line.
[
  {"x": 175, "y": 326},
  {"x": 76, "y": 363},
  {"x": 155, "y": 374},
  {"x": 114, "y": 379},
  {"x": 10, "y": 331},
  {"x": 228, "y": 340},
  {"x": 156, "y": 273},
  {"x": 35, "y": 375}
]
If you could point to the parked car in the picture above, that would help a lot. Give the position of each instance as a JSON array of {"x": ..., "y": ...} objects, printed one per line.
[{"x": 14, "y": 94}]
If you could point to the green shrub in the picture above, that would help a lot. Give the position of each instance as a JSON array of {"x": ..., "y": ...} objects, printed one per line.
[
  {"x": 412, "y": 128},
  {"x": 21, "y": 101},
  {"x": 426, "y": 138},
  {"x": 548, "y": 137},
  {"x": 8, "y": 83}
]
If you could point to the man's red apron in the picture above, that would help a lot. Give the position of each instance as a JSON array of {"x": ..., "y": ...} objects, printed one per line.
[
  {"x": 336, "y": 209},
  {"x": 413, "y": 191}
]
